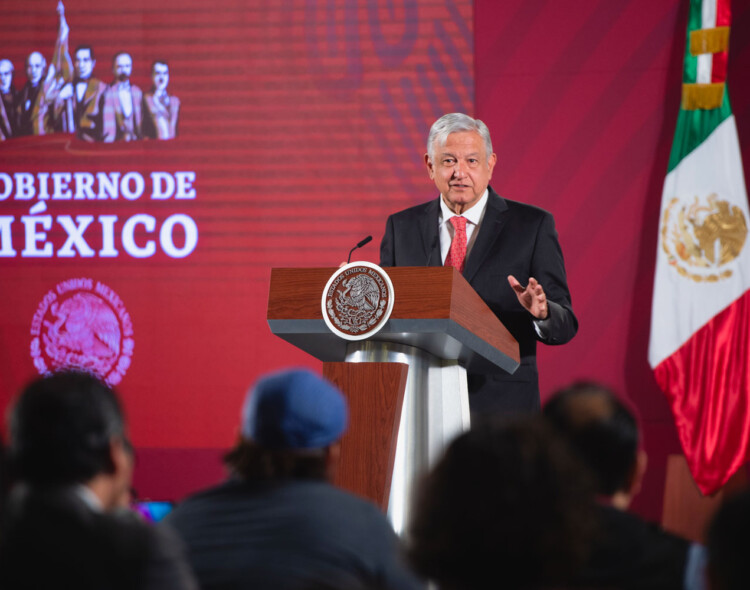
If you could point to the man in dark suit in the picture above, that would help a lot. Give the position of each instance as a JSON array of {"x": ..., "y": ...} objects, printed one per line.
[
  {"x": 79, "y": 104},
  {"x": 507, "y": 251},
  {"x": 34, "y": 100}
]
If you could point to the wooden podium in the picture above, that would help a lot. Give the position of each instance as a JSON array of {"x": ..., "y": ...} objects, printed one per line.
[{"x": 406, "y": 385}]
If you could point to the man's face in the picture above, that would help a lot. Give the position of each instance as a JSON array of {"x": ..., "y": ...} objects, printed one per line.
[
  {"x": 35, "y": 67},
  {"x": 84, "y": 64},
  {"x": 123, "y": 67},
  {"x": 160, "y": 75},
  {"x": 6, "y": 76},
  {"x": 461, "y": 169}
]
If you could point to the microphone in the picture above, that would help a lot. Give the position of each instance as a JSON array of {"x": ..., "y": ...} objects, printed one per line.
[{"x": 367, "y": 240}]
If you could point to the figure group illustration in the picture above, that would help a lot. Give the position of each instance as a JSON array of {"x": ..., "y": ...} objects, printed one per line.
[{"x": 65, "y": 97}]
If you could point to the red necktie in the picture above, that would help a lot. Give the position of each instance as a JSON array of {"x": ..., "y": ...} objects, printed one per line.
[{"x": 457, "y": 254}]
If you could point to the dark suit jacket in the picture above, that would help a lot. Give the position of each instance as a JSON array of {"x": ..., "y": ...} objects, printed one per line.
[
  {"x": 84, "y": 117},
  {"x": 36, "y": 119},
  {"x": 7, "y": 114},
  {"x": 159, "y": 121},
  {"x": 52, "y": 539},
  {"x": 514, "y": 238},
  {"x": 631, "y": 554}
]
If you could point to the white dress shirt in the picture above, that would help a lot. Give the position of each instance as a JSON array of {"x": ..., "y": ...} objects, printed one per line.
[{"x": 473, "y": 217}]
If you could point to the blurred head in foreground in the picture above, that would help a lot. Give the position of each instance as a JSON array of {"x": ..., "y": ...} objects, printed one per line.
[
  {"x": 506, "y": 502},
  {"x": 292, "y": 422},
  {"x": 604, "y": 434},
  {"x": 66, "y": 429}
]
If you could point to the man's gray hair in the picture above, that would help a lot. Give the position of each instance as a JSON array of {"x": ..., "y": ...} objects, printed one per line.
[
  {"x": 7, "y": 61},
  {"x": 454, "y": 123}
]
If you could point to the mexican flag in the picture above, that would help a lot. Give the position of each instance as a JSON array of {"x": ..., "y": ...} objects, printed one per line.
[{"x": 700, "y": 320}]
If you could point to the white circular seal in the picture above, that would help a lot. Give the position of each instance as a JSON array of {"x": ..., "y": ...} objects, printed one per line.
[
  {"x": 357, "y": 300},
  {"x": 82, "y": 324}
]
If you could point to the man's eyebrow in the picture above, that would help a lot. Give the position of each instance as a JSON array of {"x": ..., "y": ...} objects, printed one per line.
[{"x": 472, "y": 154}]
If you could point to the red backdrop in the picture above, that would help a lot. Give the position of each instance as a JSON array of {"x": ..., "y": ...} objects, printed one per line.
[{"x": 304, "y": 123}]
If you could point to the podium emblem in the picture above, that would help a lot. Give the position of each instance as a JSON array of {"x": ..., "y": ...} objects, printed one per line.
[{"x": 357, "y": 300}]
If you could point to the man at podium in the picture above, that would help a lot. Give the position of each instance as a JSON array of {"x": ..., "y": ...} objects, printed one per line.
[{"x": 507, "y": 251}]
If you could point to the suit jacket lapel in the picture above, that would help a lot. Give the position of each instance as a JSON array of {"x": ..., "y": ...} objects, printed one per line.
[
  {"x": 492, "y": 224},
  {"x": 429, "y": 230},
  {"x": 90, "y": 91}
]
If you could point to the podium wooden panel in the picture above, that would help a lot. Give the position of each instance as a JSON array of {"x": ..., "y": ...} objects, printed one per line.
[
  {"x": 687, "y": 512},
  {"x": 375, "y": 392}
]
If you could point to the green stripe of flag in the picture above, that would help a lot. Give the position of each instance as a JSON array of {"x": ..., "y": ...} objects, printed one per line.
[
  {"x": 695, "y": 21},
  {"x": 694, "y": 127}
]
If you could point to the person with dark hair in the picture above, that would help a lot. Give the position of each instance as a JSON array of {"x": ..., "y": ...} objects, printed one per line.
[
  {"x": 630, "y": 553},
  {"x": 161, "y": 110},
  {"x": 507, "y": 506},
  {"x": 64, "y": 525},
  {"x": 122, "y": 114},
  {"x": 507, "y": 251},
  {"x": 728, "y": 540},
  {"x": 278, "y": 523}
]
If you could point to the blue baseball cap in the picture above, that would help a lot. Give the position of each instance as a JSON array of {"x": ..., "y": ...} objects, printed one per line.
[{"x": 294, "y": 409}]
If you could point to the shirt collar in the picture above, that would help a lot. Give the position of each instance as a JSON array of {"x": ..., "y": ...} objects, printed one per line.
[
  {"x": 473, "y": 215},
  {"x": 88, "y": 497}
]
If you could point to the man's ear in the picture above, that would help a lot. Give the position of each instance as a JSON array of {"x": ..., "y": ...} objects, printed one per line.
[
  {"x": 430, "y": 166},
  {"x": 491, "y": 161},
  {"x": 121, "y": 458}
]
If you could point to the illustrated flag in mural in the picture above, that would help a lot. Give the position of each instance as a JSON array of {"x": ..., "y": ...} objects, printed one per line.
[{"x": 700, "y": 322}]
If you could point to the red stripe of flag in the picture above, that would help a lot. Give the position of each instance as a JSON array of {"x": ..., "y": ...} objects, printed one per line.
[
  {"x": 723, "y": 19},
  {"x": 707, "y": 383}
]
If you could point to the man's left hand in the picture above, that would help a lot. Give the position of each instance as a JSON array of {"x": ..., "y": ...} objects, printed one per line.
[{"x": 531, "y": 297}]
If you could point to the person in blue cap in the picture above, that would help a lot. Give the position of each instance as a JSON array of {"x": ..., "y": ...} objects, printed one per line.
[{"x": 278, "y": 522}]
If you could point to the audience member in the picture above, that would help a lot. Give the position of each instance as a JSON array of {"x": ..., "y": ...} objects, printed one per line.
[
  {"x": 630, "y": 553},
  {"x": 507, "y": 506},
  {"x": 278, "y": 523},
  {"x": 64, "y": 526},
  {"x": 728, "y": 542}
]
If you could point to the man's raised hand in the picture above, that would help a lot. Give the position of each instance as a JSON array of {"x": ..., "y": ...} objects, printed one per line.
[{"x": 531, "y": 297}]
